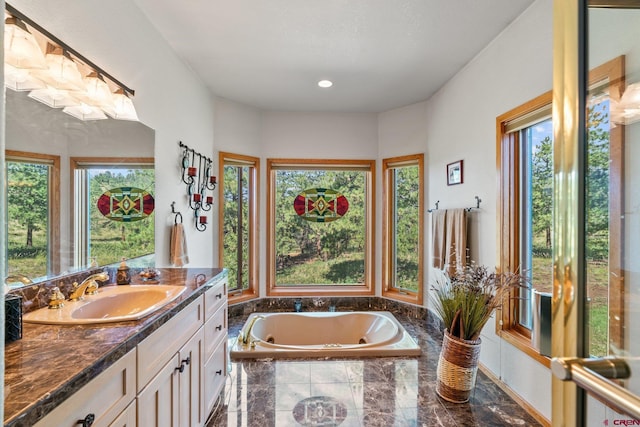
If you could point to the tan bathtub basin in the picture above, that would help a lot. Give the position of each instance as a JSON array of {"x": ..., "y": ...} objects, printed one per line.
[{"x": 111, "y": 304}]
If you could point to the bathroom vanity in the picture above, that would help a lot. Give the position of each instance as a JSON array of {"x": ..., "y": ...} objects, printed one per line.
[{"x": 165, "y": 369}]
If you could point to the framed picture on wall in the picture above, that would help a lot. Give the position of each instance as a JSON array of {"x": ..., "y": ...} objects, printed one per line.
[{"x": 454, "y": 173}]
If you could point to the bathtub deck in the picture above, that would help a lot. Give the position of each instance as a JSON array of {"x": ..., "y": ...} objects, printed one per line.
[
  {"x": 367, "y": 392},
  {"x": 402, "y": 344}
]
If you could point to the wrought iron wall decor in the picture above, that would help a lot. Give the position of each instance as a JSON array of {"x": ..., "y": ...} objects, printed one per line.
[{"x": 197, "y": 175}]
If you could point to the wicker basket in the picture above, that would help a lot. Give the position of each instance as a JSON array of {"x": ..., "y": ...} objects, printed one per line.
[{"x": 457, "y": 368}]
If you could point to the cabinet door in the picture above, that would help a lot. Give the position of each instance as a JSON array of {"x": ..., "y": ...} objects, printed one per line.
[
  {"x": 127, "y": 418},
  {"x": 191, "y": 382},
  {"x": 104, "y": 397},
  {"x": 158, "y": 403}
]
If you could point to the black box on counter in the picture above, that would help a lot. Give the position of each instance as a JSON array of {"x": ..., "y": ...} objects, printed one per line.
[{"x": 12, "y": 318}]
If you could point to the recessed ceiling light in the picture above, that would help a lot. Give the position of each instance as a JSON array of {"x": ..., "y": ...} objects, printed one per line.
[{"x": 325, "y": 83}]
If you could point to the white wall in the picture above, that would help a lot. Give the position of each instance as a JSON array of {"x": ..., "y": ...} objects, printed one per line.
[{"x": 116, "y": 36}]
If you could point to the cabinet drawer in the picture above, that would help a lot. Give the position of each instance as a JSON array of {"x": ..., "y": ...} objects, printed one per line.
[
  {"x": 215, "y": 329},
  {"x": 214, "y": 298},
  {"x": 106, "y": 396},
  {"x": 155, "y": 350},
  {"x": 215, "y": 375}
]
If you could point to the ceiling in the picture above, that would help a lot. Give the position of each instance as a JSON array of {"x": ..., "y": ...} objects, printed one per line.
[{"x": 380, "y": 54}]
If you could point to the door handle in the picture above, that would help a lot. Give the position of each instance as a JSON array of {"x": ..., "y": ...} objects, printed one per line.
[
  {"x": 608, "y": 367},
  {"x": 594, "y": 376}
]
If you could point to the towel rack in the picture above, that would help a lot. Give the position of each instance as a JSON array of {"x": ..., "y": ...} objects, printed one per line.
[
  {"x": 177, "y": 214},
  {"x": 469, "y": 209}
]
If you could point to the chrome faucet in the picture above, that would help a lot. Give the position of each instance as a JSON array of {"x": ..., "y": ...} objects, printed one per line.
[
  {"x": 245, "y": 335},
  {"x": 89, "y": 286}
]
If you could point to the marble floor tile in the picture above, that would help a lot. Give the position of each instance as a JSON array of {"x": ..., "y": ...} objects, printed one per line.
[{"x": 368, "y": 392}]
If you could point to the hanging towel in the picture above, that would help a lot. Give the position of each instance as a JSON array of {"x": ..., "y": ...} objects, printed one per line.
[
  {"x": 456, "y": 239},
  {"x": 178, "y": 246},
  {"x": 438, "y": 233}
]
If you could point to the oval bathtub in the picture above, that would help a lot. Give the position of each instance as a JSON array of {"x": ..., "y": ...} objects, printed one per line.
[{"x": 323, "y": 334}]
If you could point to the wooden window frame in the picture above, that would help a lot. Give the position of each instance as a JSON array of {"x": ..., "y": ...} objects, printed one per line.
[
  {"x": 239, "y": 295},
  {"x": 330, "y": 290},
  {"x": 507, "y": 164},
  {"x": 388, "y": 198},
  {"x": 82, "y": 163},
  {"x": 53, "y": 255}
]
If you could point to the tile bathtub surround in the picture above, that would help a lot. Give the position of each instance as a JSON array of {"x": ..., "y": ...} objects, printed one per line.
[{"x": 346, "y": 392}]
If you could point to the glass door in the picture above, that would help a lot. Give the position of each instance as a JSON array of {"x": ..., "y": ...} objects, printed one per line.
[{"x": 597, "y": 213}]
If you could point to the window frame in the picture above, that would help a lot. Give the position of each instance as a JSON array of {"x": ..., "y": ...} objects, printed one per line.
[
  {"x": 239, "y": 295},
  {"x": 509, "y": 242},
  {"x": 368, "y": 288},
  {"x": 53, "y": 262},
  {"x": 80, "y": 257},
  {"x": 388, "y": 236}
]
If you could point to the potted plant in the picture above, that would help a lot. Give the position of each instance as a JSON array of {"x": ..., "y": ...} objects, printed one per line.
[{"x": 465, "y": 300}]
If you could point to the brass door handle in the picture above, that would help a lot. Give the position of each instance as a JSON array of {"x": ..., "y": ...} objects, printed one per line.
[
  {"x": 594, "y": 375},
  {"x": 608, "y": 367}
]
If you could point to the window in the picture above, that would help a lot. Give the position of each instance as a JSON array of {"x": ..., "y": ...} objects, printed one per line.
[
  {"x": 128, "y": 232},
  {"x": 238, "y": 250},
  {"x": 525, "y": 160},
  {"x": 525, "y": 156},
  {"x": 320, "y": 227},
  {"x": 403, "y": 216},
  {"x": 32, "y": 206}
]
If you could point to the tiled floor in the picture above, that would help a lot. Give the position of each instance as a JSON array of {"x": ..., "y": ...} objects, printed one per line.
[{"x": 371, "y": 392}]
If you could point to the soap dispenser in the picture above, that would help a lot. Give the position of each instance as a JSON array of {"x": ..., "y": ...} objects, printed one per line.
[{"x": 123, "y": 277}]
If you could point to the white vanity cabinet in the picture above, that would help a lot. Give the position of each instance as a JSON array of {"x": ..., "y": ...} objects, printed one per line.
[
  {"x": 215, "y": 343},
  {"x": 174, "y": 385},
  {"x": 169, "y": 371},
  {"x": 172, "y": 378},
  {"x": 104, "y": 398}
]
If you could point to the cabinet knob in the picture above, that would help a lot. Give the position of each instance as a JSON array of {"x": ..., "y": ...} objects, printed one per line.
[
  {"x": 219, "y": 296},
  {"x": 219, "y": 372},
  {"x": 186, "y": 361},
  {"x": 87, "y": 421},
  {"x": 219, "y": 328},
  {"x": 179, "y": 368}
]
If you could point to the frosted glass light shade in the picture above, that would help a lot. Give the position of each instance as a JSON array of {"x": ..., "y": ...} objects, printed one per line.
[
  {"x": 20, "y": 79},
  {"x": 97, "y": 91},
  {"x": 53, "y": 97},
  {"x": 62, "y": 72},
  {"x": 20, "y": 47},
  {"x": 85, "y": 112},
  {"x": 122, "y": 107}
]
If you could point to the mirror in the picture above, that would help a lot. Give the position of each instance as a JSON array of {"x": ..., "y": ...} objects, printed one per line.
[{"x": 75, "y": 162}]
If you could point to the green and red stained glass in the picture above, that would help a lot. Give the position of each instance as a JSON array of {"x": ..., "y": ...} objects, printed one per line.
[
  {"x": 320, "y": 205},
  {"x": 126, "y": 204}
]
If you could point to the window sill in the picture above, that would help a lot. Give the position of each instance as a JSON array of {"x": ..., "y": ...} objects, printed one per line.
[
  {"x": 408, "y": 297},
  {"x": 524, "y": 344},
  {"x": 235, "y": 297},
  {"x": 318, "y": 291}
]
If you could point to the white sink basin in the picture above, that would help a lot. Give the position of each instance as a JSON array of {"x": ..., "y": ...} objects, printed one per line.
[{"x": 111, "y": 304}]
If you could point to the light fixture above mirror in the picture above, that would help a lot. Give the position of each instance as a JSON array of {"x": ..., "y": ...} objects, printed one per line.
[{"x": 60, "y": 77}]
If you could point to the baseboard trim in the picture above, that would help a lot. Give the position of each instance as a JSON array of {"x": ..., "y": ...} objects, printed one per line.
[{"x": 515, "y": 396}]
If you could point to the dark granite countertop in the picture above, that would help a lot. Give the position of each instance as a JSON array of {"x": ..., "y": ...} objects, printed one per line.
[{"x": 51, "y": 362}]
